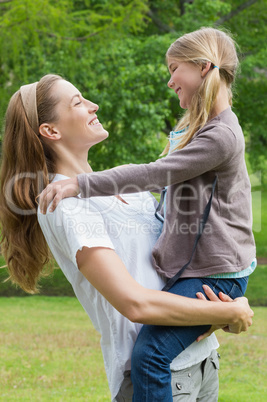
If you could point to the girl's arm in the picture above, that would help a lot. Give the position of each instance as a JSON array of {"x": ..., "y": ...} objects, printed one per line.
[
  {"x": 206, "y": 152},
  {"x": 103, "y": 268}
]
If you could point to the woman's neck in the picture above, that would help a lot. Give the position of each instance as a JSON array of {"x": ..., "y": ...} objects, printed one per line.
[{"x": 71, "y": 163}]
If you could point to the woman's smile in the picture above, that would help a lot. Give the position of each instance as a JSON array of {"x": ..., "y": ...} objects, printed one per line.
[{"x": 94, "y": 122}]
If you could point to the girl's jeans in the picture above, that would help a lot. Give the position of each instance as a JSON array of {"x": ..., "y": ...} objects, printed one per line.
[{"x": 156, "y": 346}]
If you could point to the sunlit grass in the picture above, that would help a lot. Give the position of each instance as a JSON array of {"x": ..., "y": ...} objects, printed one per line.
[
  {"x": 50, "y": 351},
  {"x": 243, "y": 370}
]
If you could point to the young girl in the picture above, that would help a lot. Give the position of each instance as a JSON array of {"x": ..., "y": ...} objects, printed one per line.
[
  {"x": 210, "y": 144},
  {"x": 49, "y": 129}
]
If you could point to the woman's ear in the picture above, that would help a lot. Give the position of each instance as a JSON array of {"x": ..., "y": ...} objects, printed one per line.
[
  {"x": 50, "y": 132},
  {"x": 205, "y": 69}
]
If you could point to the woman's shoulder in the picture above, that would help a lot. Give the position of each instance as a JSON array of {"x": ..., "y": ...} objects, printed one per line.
[{"x": 70, "y": 213}]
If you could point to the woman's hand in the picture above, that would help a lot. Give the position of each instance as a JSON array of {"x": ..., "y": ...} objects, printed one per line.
[
  {"x": 55, "y": 192},
  {"x": 243, "y": 320}
]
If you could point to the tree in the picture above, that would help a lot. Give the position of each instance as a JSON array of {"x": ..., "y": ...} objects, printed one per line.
[
  {"x": 114, "y": 52},
  {"x": 250, "y": 29},
  {"x": 43, "y": 36}
]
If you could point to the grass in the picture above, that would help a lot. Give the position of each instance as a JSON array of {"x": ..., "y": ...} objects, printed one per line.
[
  {"x": 243, "y": 367},
  {"x": 49, "y": 351}
]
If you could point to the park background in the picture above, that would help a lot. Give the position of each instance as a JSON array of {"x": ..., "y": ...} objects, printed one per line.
[{"x": 113, "y": 51}]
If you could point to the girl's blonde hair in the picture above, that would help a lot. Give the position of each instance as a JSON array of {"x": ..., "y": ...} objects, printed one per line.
[
  {"x": 199, "y": 47},
  {"x": 27, "y": 162}
]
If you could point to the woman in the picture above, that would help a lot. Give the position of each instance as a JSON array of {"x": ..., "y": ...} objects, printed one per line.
[{"x": 49, "y": 129}]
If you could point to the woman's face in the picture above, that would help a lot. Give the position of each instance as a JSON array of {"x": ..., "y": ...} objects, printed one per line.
[
  {"x": 78, "y": 124},
  {"x": 185, "y": 80}
]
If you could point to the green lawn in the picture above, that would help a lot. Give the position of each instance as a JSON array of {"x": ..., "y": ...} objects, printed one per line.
[
  {"x": 49, "y": 351},
  {"x": 243, "y": 370}
]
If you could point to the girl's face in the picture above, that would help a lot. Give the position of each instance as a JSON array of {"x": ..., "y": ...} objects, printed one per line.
[
  {"x": 78, "y": 125},
  {"x": 185, "y": 79}
]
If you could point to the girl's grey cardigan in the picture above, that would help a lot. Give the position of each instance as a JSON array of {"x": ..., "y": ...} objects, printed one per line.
[{"x": 227, "y": 244}]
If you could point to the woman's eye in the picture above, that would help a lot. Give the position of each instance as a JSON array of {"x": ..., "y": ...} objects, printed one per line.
[{"x": 78, "y": 103}]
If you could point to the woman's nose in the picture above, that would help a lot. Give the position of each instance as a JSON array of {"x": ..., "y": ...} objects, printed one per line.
[{"x": 92, "y": 107}]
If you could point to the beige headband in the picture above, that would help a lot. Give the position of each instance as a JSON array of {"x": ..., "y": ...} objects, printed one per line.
[{"x": 28, "y": 96}]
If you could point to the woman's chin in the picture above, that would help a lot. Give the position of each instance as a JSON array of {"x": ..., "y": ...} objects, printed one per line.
[{"x": 104, "y": 135}]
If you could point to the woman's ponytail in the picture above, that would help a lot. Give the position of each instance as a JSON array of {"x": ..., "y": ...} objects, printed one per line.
[{"x": 27, "y": 163}]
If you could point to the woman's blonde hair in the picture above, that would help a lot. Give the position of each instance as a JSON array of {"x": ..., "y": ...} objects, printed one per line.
[
  {"x": 27, "y": 163},
  {"x": 199, "y": 47}
]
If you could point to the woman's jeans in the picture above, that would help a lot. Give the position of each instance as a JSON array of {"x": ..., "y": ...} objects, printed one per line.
[{"x": 156, "y": 346}]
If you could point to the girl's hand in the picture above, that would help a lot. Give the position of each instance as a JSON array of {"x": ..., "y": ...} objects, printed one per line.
[
  {"x": 213, "y": 297},
  {"x": 55, "y": 192}
]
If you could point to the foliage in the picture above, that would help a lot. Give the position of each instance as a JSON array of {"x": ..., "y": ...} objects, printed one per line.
[
  {"x": 113, "y": 51},
  {"x": 46, "y": 36},
  {"x": 133, "y": 99},
  {"x": 256, "y": 291},
  {"x": 260, "y": 221},
  {"x": 54, "y": 285},
  {"x": 250, "y": 30}
]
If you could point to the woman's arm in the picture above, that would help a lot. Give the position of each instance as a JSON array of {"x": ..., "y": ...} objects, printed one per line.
[{"x": 103, "y": 268}]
